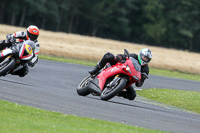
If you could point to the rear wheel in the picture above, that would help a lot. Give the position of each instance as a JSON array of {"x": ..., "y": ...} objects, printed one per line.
[
  {"x": 110, "y": 92},
  {"x": 6, "y": 66},
  {"x": 82, "y": 88}
]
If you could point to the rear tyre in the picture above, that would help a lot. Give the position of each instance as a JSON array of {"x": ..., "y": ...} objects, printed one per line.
[
  {"x": 110, "y": 92},
  {"x": 82, "y": 88},
  {"x": 6, "y": 66}
]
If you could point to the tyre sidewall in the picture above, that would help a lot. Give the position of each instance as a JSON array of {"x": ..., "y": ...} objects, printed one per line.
[
  {"x": 83, "y": 91},
  {"x": 10, "y": 66}
]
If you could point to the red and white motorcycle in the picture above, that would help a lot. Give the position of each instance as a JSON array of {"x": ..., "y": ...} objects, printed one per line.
[{"x": 15, "y": 57}]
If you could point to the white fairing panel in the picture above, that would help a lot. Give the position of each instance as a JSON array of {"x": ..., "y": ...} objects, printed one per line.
[
  {"x": 21, "y": 52},
  {"x": 6, "y": 52}
]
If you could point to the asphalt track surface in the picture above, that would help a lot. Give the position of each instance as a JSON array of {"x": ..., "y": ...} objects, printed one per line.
[{"x": 52, "y": 86}]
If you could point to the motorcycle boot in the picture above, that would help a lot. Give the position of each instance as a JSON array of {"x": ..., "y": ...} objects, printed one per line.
[
  {"x": 108, "y": 57},
  {"x": 4, "y": 44},
  {"x": 130, "y": 93},
  {"x": 95, "y": 70}
]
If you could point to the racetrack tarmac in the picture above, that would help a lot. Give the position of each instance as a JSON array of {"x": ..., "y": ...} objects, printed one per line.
[{"x": 52, "y": 85}]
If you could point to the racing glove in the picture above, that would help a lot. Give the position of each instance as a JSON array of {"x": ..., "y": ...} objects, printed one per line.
[
  {"x": 141, "y": 81},
  {"x": 32, "y": 64},
  {"x": 10, "y": 38},
  {"x": 120, "y": 57}
]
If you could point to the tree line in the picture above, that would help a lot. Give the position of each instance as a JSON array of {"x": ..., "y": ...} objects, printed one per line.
[{"x": 164, "y": 23}]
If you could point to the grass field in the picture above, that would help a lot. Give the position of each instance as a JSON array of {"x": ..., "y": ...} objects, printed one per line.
[
  {"x": 17, "y": 118},
  {"x": 189, "y": 100},
  {"x": 92, "y": 48}
]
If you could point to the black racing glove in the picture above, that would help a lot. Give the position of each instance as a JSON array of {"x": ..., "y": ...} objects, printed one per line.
[
  {"x": 31, "y": 64},
  {"x": 141, "y": 81},
  {"x": 121, "y": 58}
]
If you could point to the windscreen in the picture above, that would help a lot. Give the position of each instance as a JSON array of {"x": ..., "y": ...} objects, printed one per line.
[{"x": 136, "y": 64}]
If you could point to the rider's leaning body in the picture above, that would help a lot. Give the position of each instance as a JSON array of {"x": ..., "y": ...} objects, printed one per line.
[
  {"x": 31, "y": 34},
  {"x": 143, "y": 58}
]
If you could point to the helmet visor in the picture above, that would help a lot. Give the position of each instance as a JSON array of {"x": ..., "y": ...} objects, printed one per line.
[
  {"x": 144, "y": 59},
  {"x": 32, "y": 37}
]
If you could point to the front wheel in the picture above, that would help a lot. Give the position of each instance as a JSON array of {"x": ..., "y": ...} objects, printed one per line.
[
  {"x": 6, "y": 66},
  {"x": 110, "y": 92},
  {"x": 82, "y": 88}
]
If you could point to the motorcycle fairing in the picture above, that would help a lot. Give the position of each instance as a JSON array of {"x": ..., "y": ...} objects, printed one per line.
[
  {"x": 135, "y": 64},
  {"x": 25, "y": 52},
  {"x": 135, "y": 68},
  {"x": 120, "y": 68},
  {"x": 109, "y": 72},
  {"x": 93, "y": 86},
  {"x": 6, "y": 52}
]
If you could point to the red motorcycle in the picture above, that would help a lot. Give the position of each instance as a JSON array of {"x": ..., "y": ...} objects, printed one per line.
[{"x": 112, "y": 79}]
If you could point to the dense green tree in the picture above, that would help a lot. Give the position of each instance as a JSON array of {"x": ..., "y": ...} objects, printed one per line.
[
  {"x": 183, "y": 23},
  {"x": 117, "y": 27},
  {"x": 154, "y": 28},
  {"x": 166, "y": 23}
]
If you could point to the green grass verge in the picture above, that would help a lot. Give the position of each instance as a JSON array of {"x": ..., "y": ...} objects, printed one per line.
[
  {"x": 153, "y": 71},
  {"x": 17, "y": 118},
  {"x": 174, "y": 74},
  {"x": 75, "y": 61},
  {"x": 189, "y": 100}
]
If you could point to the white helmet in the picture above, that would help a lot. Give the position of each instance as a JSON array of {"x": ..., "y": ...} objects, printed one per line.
[{"x": 145, "y": 56}]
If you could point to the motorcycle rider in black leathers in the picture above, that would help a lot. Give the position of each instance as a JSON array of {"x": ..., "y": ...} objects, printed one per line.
[
  {"x": 144, "y": 57},
  {"x": 32, "y": 34}
]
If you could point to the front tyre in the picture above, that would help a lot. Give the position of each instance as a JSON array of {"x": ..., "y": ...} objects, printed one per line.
[
  {"x": 110, "y": 92},
  {"x": 82, "y": 88},
  {"x": 6, "y": 66}
]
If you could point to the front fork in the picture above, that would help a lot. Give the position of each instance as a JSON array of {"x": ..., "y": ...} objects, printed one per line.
[{"x": 114, "y": 81}]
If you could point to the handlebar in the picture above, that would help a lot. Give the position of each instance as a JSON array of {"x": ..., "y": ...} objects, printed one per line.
[{"x": 126, "y": 53}]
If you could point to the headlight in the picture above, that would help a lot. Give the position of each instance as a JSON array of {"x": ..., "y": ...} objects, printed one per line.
[
  {"x": 128, "y": 69},
  {"x": 136, "y": 78}
]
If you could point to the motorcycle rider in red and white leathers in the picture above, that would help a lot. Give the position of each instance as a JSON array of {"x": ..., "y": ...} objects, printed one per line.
[{"x": 32, "y": 34}]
